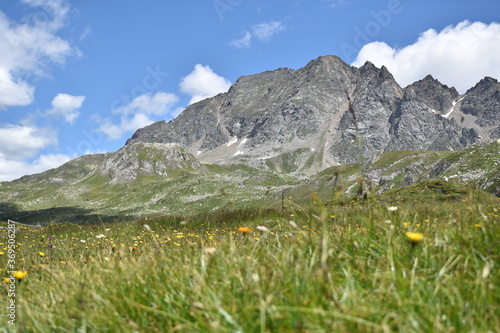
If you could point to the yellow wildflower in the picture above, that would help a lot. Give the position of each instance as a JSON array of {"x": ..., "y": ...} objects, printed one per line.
[
  {"x": 414, "y": 237},
  {"x": 19, "y": 274}
]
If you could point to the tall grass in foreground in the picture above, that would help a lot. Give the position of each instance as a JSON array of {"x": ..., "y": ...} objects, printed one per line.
[{"x": 329, "y": 269}]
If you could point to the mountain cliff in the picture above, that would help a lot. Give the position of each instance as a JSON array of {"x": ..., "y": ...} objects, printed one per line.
[{"x": 301, "y": 120}]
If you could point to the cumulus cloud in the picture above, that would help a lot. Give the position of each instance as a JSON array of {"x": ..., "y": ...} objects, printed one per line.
[
  {"x": 262, "y": 31},
  {"x": 21, "y": 142},
  {"x": 136, "y": 114},
  {"x": 126, "y": 124},
  {"x": 29, "y": 48},
  {"x": 202, "y": 83},
  {"x": 458, "y": 56},
  {"x": 66, "y": 106},
  {"x": 13, "y": 169},
  {"x": 156, "y": 104}
]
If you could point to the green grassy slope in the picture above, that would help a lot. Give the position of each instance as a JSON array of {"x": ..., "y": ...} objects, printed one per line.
[
  {"x": 78, "y": 193},
  {"x": 317, "y": 269}
]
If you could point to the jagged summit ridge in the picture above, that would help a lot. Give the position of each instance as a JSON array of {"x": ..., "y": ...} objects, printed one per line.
[{"x": 302, "y": 117}]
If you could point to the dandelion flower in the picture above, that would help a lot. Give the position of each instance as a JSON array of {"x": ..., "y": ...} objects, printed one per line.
[
  {"x": 41, "y": 254},
  {"x": 244, "y": 230},
  {"x": 414, "y": 237},
  {"x": 6, "y": 280},
  {"x": 19, "y": 274},
  {"x": 405, "y": 224}
]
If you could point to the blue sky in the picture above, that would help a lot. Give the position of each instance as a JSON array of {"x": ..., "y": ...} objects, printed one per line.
[{"x": 80, "y": 77}]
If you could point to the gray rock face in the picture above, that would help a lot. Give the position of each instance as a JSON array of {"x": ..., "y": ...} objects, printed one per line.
[
  {"x": 303, "y": 119},
  {"x": 147, "y": 160},
  {"x": 420, "y": 121},
  {"x": 483, "y": 103}
]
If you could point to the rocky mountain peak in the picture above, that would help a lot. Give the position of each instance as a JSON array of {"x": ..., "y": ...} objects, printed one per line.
[
  {"x": 438, "y": 97},
  {"x": 485, "y": 84},
  {"x": 481, "y": 106},
  {"x": 302, "y": 118}
]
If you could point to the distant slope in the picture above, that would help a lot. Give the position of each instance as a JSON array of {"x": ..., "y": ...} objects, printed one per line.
[
  {"x": 477, "y": 165},
  {"x": 156, "y": 179},
  {"x": 139, "y": 179}
]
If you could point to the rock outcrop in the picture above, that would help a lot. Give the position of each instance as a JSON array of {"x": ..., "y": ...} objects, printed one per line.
[{"x": 143, "y": 159}]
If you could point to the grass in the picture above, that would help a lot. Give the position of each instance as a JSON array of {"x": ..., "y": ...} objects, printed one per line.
[
  {"x": 435, "y": 190},
  {"x": 316, "y": 269}
]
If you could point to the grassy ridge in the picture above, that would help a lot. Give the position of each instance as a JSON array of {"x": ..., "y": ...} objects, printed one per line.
[
  {"x": 77, "y": 193},
  {"x": 320, "y": 269}
]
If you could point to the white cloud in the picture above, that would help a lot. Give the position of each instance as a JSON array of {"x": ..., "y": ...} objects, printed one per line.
[
  {"x": 66, "y": 106},
  {"x": 116, "y": 131},
  {"x": 262, "y": 31},
  {"x": 457, "y": 56},
  {"x": 21, "y": 142},
  {"x": 266, "y": 31},
  {"x": 13, "y": 169},
  {"x": 202, "y": 83},
  {"x": 156, "y": 104},
  {"x": 244, "y": 42},
  {"x": 136, "y": 114},
  {"x": 29, "y": 48}
]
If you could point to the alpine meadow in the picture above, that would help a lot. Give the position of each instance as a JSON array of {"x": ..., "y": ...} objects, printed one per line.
[{"x": 355, "y": 192}]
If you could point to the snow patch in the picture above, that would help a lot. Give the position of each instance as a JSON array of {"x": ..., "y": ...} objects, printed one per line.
[
  {"x": 238, "y": 153},
  {"x": 447, "y": 114},
  {"x": 452, "y": 108},
  {"x": 242, "y": 142},
  {"x": 233, "y": 141},
  {"x": 198, "y": 152}
]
